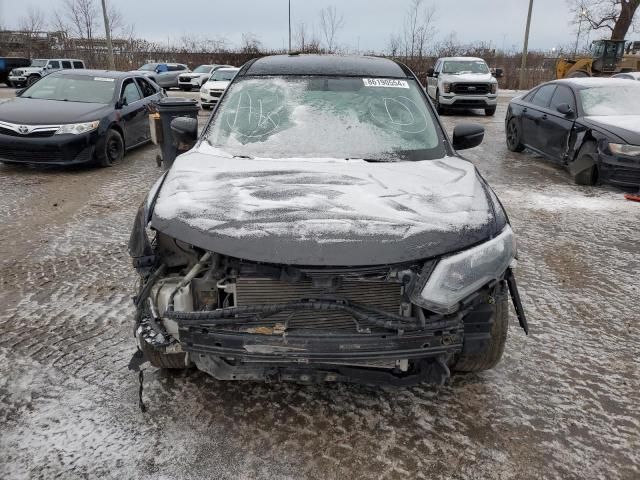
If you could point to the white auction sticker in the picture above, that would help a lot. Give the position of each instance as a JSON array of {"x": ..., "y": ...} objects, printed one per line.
[
  {"x": 104, "y": 79},
  {"x": 385, "y": 82}
]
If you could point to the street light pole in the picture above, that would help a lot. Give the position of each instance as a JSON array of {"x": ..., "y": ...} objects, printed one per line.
[
  {"x": 525, "y": 50},
  {"x": 107, "y": 31},
  {"x": 289, "y": 26},
  {"x": 583, "y": 13}
]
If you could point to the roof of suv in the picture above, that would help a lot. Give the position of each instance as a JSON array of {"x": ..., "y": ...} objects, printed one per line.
[
  {"x": 459, "y": 59},
  {"x": 330, "y": 65}
]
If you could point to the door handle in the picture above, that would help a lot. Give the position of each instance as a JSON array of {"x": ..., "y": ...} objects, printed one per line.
[
  {"x": 525, "y": 110},
  {"x": 544, "y": 117}
]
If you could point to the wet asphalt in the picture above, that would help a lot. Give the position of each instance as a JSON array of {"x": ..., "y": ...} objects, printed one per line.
[{"x": 563, "y": 403}]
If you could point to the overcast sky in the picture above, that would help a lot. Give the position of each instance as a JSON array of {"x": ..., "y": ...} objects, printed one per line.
[{"x": 367, "y": 23}]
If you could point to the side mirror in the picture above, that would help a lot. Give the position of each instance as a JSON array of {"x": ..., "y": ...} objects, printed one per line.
[
  {"x": 121, "y": 103},
  {"x": 430, "y": 72},
  {"x": 564, "y": 109},
  {"x": 467, "y": 135},
  {"x": 20, "y": 92},
  {"x": 185, "y": 132}
]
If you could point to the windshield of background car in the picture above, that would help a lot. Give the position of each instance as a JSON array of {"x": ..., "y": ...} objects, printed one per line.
[
  {"x": 465, "y": 66},
  {"x": 73, "y": 88},
  {"x": 38, "y": 63},
  {"x": 326, "y": 117},
  {"x": 613, "y": 100},
  {"x": 149, "y": 67},
  {"x": 203, "y": 69},
  {"x": 223, "y": 75}
]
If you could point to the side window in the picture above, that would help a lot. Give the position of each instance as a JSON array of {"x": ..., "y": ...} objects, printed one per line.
[
  {"x": 563, "y": 95},
  {"x": 130, "y": 91},
  {"x": 173, "y": 68},
  {"x": 543, "y": 95},
  {"x": 78, "y": 65},
  {"x": 529, "y": 96},
  {"x": 53, "y": 64},
  {"x": 66, "y": 64},
  {"x": 146, "y": 88},
  {"x": 438, "y": 65}
]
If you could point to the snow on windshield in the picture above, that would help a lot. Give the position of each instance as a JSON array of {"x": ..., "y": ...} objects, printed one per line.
[
  {"x": 325, "y": 117},
  {"x": 613, "y": 100}
]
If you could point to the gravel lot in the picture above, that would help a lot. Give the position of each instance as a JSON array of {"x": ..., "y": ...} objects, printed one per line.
[{"x": 562, "y": 404}]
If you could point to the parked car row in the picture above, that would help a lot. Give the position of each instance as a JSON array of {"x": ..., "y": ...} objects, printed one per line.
[{"x": 39, "y": 68}]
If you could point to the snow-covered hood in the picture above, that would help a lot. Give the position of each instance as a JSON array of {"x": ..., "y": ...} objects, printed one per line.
[
  {"x": 626, "y": 127},
  {"x": 217, "y": 85},
  {"x": 467, "y": 78},
  {"x": 324, "y": 211}
]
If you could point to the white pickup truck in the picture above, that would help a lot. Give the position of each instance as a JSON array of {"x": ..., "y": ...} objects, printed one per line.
[{"x": 462, "y": 83}]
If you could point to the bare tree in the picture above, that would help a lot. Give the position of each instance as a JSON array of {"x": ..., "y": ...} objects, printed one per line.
[
  {"x": 331, "y": 22},
  {"x": 394, "y": 45},
  {"x": 250, "y": 43},
  {"x": 617, "y": 16},
  {"x": 32, "y": 24},
  {"x": 419, "y": 28}
]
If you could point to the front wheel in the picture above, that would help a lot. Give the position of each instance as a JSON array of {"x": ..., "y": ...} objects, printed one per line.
[
  {"x": 490, "y": 112},
  {"x": 32, "y": 79},
  {"x": 489, "y": 358},
  {"x": 514, "y": 136},
  {"x": 110, "y": 149},
  {"x": 587, "y": 158}
]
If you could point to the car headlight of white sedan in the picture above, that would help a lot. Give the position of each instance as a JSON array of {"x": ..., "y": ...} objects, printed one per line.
[
  {"x": 458, "y": 276},
  {"x": 77, "y": 128}
]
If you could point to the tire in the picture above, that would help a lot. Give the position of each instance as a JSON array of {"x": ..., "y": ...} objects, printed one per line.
[
  {"x": 186, "y": 89},
  {"x": 489, "y": 358},
  {"x": 436, "y": 103},
  {"x": 514, "y": 136},
  {"x": 579, "y": 74},
  {"x": 490, "y": 112},
  {"x": 160, "y": 359},
  {"x": 110, "y": 149},
  {"x": 588, "y": 176},
  {"x": 32, "y": 79}
]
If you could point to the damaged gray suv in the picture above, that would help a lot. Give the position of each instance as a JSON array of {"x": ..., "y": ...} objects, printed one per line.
[{"x": 323, "y": 228}]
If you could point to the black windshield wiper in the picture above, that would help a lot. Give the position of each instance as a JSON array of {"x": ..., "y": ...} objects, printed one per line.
[
  {"x": 370, "y": 160},
  {"x": 243, "y": 156}
]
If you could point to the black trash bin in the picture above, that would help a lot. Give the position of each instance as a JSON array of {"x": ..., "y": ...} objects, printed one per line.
[{"x": 170, "y": 108}]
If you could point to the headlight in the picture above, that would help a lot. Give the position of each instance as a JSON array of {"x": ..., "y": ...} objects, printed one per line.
[
  {"x": 446, "y": 87},
  {"x": 78, "y": 128},
  {"x": 459, "y": 275},
  {"x": 203, "y": 90},
  {"x": 622, "y": 149},
  {"x": 494, "y": 88}
]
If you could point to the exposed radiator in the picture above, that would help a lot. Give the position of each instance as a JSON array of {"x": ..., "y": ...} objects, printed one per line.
[{"x": 259, "y": 291}]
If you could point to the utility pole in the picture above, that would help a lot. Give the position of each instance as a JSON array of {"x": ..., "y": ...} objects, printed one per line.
[
  {"x": 289, "y": 26},
  {"x": 525, "y": 50},
  {"x": 107, "y": 31},
  {"x": 583, "y": 13}
]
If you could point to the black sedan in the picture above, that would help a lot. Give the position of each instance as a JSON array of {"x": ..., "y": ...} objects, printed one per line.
[
  {"x": 591, "y": 125},
  {"x": 73, "y": 117}
]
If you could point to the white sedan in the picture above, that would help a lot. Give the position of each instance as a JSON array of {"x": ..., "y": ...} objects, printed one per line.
[
  {"x": 198, "y": 77},
  {"x": 211, "y": 91}
]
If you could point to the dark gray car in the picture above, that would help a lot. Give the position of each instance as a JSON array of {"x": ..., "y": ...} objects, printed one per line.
[{"x": 323, "y": 228}]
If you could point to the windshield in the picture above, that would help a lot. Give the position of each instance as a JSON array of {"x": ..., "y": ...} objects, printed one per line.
[
  {"x": 465, "y": 66},
  {"x": 149, "y": 67},
  {"x": 223, "y": 75},
  {"x": 614, "y": 100},
  {"x": 203, "y": 69},
  {"x": 322, "y": 117},
  {"x": 38, "y": 63},
  {"x": 73, "y": 88}
]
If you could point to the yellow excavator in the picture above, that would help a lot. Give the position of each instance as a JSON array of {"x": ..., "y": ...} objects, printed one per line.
[{"x": 608, "y": 57}]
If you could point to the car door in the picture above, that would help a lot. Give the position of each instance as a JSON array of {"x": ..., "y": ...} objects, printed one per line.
[
  {"x": 133, "y": 113},
  {"x": 555, "y": 128},
  {"x": 533, "y": 113},
  {"x": 52, "y": 66},
  {"x": 150, "y": 94},
  {"x": 432, "y": 81}
]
